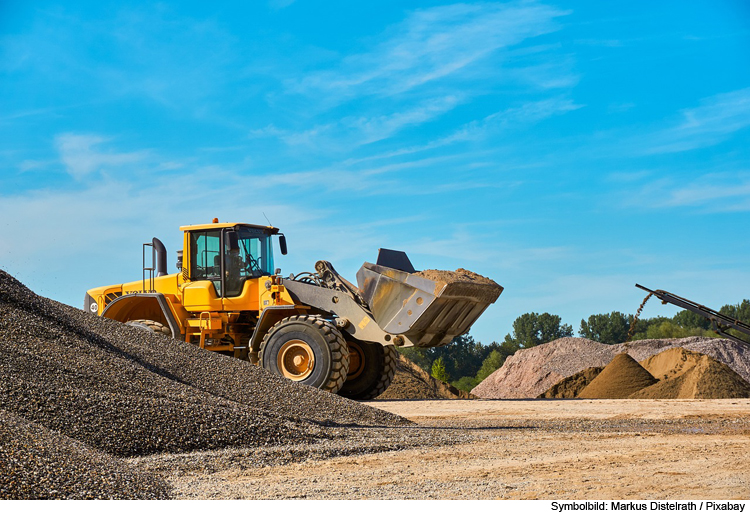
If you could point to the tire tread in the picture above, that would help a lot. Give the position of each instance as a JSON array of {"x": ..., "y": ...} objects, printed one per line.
[{"x": 334, "y": 339}]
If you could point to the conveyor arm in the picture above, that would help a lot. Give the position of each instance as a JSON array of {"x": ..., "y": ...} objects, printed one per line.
[{"x": 720, "y": 322}]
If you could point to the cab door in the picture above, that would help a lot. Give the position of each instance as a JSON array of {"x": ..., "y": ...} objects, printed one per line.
[{"x": 203, "y": 292}]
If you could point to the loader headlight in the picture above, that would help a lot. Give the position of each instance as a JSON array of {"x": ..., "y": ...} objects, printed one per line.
[{"x": 94, "y": 307}]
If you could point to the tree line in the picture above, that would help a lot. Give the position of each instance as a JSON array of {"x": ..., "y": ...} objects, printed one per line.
[{"x": 465, "y": 362}]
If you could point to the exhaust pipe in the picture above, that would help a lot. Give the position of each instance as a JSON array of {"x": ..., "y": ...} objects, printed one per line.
[{"x": 161, "y": 257}]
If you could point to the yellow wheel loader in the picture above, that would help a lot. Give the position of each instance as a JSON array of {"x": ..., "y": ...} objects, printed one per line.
[{"x": 315, "y": 328}]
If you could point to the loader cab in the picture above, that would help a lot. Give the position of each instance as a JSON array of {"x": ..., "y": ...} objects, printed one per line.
[{"x": 228, "y": 255}]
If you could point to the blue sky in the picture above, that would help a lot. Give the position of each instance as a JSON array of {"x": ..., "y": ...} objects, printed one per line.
[{"x": 566, "y": 149}]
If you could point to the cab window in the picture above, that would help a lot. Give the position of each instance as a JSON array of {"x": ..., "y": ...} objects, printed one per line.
[
  {"x": 205, "y": 263},
  {"x": 247, "y": 254}
]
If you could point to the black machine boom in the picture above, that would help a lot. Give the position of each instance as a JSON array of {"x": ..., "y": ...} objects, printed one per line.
[{"x": 720, "y": 322}]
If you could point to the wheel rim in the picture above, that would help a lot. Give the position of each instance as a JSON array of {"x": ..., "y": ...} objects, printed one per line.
[
  {"x": 296, "y": 360},
  {"x": 356, "y": 360}
]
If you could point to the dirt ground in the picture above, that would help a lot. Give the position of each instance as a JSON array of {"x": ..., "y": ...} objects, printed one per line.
[{"x": 522, "y": 449}]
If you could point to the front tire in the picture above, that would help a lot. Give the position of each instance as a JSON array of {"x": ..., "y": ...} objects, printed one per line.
[
  {"x": 307, "y": 349},
  {"x": 150, "y": 326},
  {"x": 372, "y": 368}
]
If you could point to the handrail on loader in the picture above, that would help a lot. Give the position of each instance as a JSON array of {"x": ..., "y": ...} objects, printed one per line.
[{"x": 720, "y": 322}]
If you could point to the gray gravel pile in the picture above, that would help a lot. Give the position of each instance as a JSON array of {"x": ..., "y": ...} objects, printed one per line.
[
  {"x": 130, "y": 392},
  {"x": 344, "y": 441},
  {"x": 36, "y": 463},
  {"x": 231, "y": 379}
]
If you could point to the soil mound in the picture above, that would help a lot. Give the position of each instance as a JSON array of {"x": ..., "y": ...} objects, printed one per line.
[
  {"x": 571, "y": 386},
  {"x": 671, "y": 363},
  {"x": 463, "y": 282},
  {"x": 621, "y": 378},
  {"x": 129, "y": 392},
  {"x": 450, "y": 277},
  {"x": 413, "y": 383},
  {"x": 532, "y": 371},
  {"x": 36, "y": 463},
  {"x": 689, "y": 375}
]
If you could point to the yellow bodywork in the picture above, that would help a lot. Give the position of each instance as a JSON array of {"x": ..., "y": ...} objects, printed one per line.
[{"x": 217, "y": 323}]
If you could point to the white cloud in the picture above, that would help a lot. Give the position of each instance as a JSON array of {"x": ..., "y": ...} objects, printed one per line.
[
  {"x": 710, "y": 193},
  {"x": 527, "y": 113},
  {"x": 81, "y": 157},
  {"x": 34, "y": 165},
  {"x": 710, "y": 123},
  {"x": 381, "y": 127},
  {"x": 432, "y": 44},
  {"x": 351, "y": 132}
]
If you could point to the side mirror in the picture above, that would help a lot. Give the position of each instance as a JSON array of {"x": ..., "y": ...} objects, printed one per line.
[{"x": 282, "y": 244}]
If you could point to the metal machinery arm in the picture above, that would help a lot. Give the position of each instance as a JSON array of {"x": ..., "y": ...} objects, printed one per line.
[{"x": 720, "y": 322}]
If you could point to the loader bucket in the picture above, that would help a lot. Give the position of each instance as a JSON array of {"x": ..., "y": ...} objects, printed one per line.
[{"x": 428, "y": 313}]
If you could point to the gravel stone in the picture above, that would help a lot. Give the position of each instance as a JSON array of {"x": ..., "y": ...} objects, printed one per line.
[
  {"x": 36, "y": 463},
  {"x": 129, "y": 392},
  {"x": 413, "y": 383}
]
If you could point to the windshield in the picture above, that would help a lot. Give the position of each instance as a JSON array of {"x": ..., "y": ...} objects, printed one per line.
[
  {"x": 247, "y": 253},
  {"x": 255, "y": 252}
]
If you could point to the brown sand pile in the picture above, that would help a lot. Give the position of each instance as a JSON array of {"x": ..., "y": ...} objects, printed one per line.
[
  {"x": 689, "y": 375},
  {"x": 532, "y": 371},
  {"x": 671, "y": 363},
  {"x": 413, "y": 383},
  {"x": 621, "y": 378},
  {"x": 571, "y": 386},
  {"x": 463, "y": 282}
]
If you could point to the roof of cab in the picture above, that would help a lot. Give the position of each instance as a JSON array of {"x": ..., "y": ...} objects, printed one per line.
[{"x": 221, "y": 225}]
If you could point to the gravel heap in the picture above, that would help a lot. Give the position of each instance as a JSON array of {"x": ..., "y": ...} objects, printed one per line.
[
  {"x": 413, "y": 383},
  {"x": 571, "y": 386},
  {"x": 681, "y": 374},
  {"x": 443, "y": 277},
  {"x": 462, "y": 282},
  {"x": 687, "y": 375},
  {"x": 532, "y": 371},
  {"x": 671, "y": 363},
  {"x": 129, "y": 392},
  {"x": 621, "y": 378},
  {"x": 40, "y": 464}
]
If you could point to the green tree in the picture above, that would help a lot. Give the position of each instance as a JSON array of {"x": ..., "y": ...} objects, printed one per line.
[
  {"x": 606, "y": 328},
  {"x": 532, "y": 329},
  {"x": 466, "y": 383},
  {"x": 642, "y": 326},
  {"x": 740, "y": 311},
  {"x": 462, "y": 356},
  {"x": 438, "y": 370},
  {"x": 669, "y": 330},
  {"x": 493, "y": 362},
  {"x": 688, "y": 319},
  {"x": 418, "y": 356}
]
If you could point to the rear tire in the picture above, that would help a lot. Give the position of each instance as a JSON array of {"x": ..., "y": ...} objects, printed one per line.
[
  {"x": 150, "y": 326},
  {"x": 374, "y": 367},
  {"x": 307, "y": 349}
]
